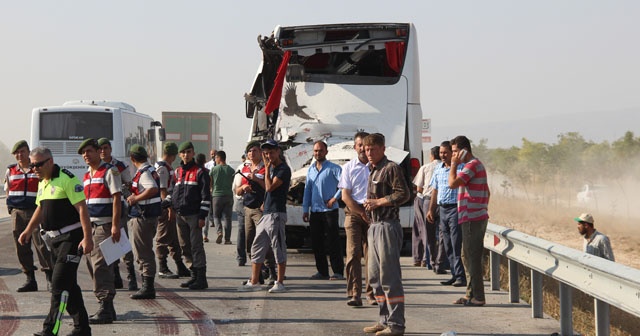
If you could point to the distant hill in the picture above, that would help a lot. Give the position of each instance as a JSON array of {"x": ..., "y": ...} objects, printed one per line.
[{"x": 593, "y": 126}]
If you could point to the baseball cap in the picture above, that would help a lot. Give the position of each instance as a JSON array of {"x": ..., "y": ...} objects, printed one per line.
[
  {"x": 269, "y": 144},
  {"x": 585, "y": 217}
]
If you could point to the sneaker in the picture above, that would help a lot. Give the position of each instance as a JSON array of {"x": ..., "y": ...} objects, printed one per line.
[
  {"x": 388, "y": 331},
  {"x": 319, "y": 276},
  {"x": 219, "y": 239},
  {"x": 374, "y": 328},
  {"x": 277, "y": 288},
  {"x": 167, "y": 274},
  {"x": 337, "y": 276},
  {"x": 249, "y": 287}
]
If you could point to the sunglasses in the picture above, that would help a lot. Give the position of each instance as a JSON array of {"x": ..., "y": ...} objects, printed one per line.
[{"x": 38, "y": 164}]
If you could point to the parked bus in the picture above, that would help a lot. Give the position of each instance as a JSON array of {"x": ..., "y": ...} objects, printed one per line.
[
  {"x": 327, "y": 82},
  {"x": 63, "y": 128}
]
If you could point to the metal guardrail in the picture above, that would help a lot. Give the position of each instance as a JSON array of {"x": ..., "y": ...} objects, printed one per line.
[{"x": 608, "y": 282}]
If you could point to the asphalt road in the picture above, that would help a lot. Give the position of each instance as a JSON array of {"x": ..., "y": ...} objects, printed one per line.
[{"x": 309, "y": 307}]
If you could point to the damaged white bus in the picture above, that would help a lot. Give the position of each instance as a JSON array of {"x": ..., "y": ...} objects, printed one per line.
[{"x": 327, "y": 82}]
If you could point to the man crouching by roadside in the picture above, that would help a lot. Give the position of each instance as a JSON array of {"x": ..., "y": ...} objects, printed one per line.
[{"x": 386, "y": 191}]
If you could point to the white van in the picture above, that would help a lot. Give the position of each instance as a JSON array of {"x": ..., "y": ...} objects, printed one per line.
[
  {"x": 63, "y": 128},
  {"x": 340, "y": 79}
]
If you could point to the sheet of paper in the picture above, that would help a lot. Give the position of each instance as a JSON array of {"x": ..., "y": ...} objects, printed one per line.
[{"x": 114, "y": 251}]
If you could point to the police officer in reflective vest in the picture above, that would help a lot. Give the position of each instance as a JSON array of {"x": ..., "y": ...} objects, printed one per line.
[
  {"x": 21, "y": 186},
  {"x": 192, "y": 199},
  {"x": 103, "y": 190},
  {"x": 64, "y": 217},
  {"x": 144, "y": 209}
]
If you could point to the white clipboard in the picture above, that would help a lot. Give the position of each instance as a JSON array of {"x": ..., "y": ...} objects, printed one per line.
[{"x": 114, "y": 251}]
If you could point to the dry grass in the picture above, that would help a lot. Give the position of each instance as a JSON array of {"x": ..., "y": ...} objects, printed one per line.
[{"x": 555, "y": 223}]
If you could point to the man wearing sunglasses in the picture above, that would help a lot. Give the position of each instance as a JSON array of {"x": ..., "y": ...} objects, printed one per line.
[
  {"x": 62, "y": 211},
  {"x": 21, "y": 186}
]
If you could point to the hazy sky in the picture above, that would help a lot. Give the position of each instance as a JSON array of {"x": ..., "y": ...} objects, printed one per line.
[{"x": 480, "y": 60}]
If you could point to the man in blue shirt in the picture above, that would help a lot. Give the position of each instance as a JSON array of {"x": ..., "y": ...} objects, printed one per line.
[
  {"x": 447, "y": 200},
  {"x": 320, "y": 195}
]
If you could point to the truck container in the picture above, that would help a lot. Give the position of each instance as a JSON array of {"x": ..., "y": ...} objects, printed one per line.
[{"x": 201, "y": 128}]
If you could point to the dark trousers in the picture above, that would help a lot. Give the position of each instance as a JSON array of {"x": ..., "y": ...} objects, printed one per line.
[
  {"x": 325, "y": 239},
  {"x": 167, "y": 243},
  {"x": 65, "y": 277},
  {"x": 452, "y": 239},
  {"x": 222, "y": 209},
  {"x": 241, "y": 247}
]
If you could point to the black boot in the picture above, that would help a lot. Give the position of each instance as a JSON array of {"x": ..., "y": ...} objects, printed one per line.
[
  {"x": 48, "y": 274},
  {"x": 164, "y": 271},
  {"x": 190, "y": 281},
  {"x": 30, "y": 285},
  {"x": 131, "y": 276},
  {"x": 105, "y": 313},
  {"x": 201, "y": 279},
  {"x": 117, "y": 279},
  {"x": 147, "y": 291},
  {"x": 183, "y": 271}
]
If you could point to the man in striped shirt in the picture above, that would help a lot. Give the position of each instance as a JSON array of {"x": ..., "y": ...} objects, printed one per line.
[{"x": 473, "y": 201}]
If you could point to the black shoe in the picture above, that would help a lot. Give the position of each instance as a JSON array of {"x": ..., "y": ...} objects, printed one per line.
[
  {"x": 460, "y": 283},
  {"x": 147, "y": 291},
  {"x": 80, "y": 332},
  {"x": 448, "y": 282},
  {"x": 439, "y": 271},
  {"x": 183, "y": 271},
  {"x": 104, "y": 315},
  {"x": 30, "y": 285},
  {"x": 167, "y": 274}
]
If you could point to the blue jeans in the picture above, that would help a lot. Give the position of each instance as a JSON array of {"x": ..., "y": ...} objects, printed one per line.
[{"x": 452, "y": 239}]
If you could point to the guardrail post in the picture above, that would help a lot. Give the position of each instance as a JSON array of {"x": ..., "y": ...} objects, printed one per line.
[
  {"x": 602, "y": 317},
  {"x": 536, "y": 294},
  {"x": 494, "y": 263},
  {"x": 514, "y": 283},
  {"x": 566, "y": 324}
]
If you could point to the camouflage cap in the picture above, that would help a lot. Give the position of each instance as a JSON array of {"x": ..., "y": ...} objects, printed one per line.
[
  {"x": 138, "y": 150},
  {"x": 184, "y": 146},
  {"x": 104, "y": 141},
  {"x": 88, "y": 142},
  {"x": 18, "y": 145},
  {"x": 170, "y": 148}
]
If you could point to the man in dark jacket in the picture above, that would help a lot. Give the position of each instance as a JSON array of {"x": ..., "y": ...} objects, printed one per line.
[{"x": 191, "y": 200}]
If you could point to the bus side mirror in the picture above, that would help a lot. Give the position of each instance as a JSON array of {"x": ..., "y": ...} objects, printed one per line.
[{"x": 162, "y": 136}]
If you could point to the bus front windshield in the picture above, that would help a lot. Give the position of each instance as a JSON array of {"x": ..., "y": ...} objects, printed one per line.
[{"x": 75, "y": 125}]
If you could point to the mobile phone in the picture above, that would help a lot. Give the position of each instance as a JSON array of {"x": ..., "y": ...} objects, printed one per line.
[{"x": 462, "y": 154}]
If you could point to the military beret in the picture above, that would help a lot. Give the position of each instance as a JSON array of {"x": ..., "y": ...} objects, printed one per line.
[
  {"x": 170, "y": 148},
  {"x": 184, "y": 146},
  {"x": 138, "y": 150},
  {"x": 104, "y": 141},
  {"x": 88, "y": 142},
  {"x": 18, "y": 145},
  {"x": 254, "y": 143}
]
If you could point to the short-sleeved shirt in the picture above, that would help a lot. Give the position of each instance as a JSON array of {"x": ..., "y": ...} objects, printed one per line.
[
  {"x": 221, "y": 180},
  {"x": 276, "y": 201},
  {"x": 473, "y": 195},
  {"x": 57, "y": 197},
  {"x": 355, "y": 177},
  {"x": 599, "y": 245},
  {"x": 146, "y": 179},
  {"x": 423, "y": 177},
  {"x": 125, "y": 173},
  {"x": 440, "y": 182}
]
